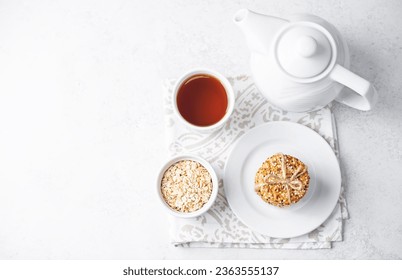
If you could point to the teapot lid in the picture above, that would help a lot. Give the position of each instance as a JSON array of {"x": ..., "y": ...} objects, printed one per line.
[{"x": 304, "y": 50}]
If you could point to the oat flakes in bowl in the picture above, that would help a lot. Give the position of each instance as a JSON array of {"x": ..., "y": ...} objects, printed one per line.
[{"x": 187, "y": 186}]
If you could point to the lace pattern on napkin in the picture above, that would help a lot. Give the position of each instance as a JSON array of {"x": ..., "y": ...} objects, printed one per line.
[{"x": 219, "y": 227}]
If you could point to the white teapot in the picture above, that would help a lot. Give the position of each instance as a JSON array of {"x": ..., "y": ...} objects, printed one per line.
[{"x": 301, "y": 64}]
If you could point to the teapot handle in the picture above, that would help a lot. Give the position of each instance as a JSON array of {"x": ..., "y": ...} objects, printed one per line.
[{"x": 367, "y": 93}]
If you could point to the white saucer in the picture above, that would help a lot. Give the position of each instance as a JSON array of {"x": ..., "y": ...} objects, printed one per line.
[{"x": 252, "y": 149}]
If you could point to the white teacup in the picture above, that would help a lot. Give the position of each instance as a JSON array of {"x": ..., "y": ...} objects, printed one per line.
[{"x": 229, "y": 94}]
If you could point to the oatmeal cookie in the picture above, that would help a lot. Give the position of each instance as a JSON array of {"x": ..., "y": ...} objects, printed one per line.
[{"x": 282, "y": 180}]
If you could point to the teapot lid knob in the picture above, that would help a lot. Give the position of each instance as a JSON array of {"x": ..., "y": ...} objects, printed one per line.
[{"x": 306, "y": 46}]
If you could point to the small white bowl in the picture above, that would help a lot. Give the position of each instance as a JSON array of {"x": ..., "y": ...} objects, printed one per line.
[
  {"x": 229, "y": 93},
  {"x": 214, "y": 192}
]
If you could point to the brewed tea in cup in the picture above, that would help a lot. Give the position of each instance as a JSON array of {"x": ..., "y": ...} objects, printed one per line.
[{"x": 203, "y": 99}]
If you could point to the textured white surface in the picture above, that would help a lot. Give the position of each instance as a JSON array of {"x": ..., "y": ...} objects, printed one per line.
[{"x": 81, "y": 124}]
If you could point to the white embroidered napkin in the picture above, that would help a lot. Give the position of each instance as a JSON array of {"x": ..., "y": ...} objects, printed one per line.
[{"x": 219, "y": 227}]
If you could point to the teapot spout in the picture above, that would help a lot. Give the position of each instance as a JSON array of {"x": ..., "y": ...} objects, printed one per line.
[{"x": 258, "y": 29}]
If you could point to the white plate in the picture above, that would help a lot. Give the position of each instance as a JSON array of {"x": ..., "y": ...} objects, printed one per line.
[{"x": 252, "y": 149}]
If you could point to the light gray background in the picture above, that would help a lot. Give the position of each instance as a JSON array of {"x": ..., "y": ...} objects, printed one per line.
[{"x": 81, "y": 123}]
